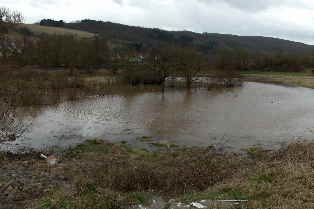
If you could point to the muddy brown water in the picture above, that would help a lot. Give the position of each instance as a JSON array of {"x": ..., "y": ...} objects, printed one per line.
[{"x": 255, "y": 114}]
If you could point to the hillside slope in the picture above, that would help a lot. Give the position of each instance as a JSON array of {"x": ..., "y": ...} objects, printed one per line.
[
  {"x": 39, "y": 29},
  {"x": 206, "y": 42}
]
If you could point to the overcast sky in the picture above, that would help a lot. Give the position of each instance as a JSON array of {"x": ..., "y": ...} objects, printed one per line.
[{"x": 288, "y": 19}]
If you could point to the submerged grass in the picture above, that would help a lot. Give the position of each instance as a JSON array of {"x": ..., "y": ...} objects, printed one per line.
[{"x": 30, "y": 86}]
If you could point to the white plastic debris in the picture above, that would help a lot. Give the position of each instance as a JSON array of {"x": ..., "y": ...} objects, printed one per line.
[
  {"x": 141, "y": 207},
  {"x": 43, "y": 156},
  {"x": 51, "y": 160},
  {"x": 197, "y": 205}
]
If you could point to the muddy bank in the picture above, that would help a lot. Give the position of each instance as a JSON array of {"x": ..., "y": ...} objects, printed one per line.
[{"x": 99, "y": 174}]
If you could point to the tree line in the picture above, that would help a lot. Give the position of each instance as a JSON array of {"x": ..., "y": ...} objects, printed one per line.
[
  {"x": 53, "y": 23},
  {"x": 149, "y": 65}
]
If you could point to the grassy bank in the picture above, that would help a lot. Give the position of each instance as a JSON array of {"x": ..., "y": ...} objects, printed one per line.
[
  {"x": 98, "y": 174},
  {"x": 303, "y": 79}
]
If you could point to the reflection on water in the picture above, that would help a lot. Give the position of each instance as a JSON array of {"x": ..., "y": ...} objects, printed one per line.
[{"x": 255, "y": 114}]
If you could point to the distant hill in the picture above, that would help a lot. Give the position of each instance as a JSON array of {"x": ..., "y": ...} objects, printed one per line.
[
  {"x": 208, "y": 43},
  {"x": 39, "y": 29}
]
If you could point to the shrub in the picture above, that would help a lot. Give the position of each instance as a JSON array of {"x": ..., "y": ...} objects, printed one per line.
[{"x": 141, "y": 76}]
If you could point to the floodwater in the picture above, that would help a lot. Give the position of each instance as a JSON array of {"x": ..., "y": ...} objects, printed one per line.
[{"x": 255, "y": 114}]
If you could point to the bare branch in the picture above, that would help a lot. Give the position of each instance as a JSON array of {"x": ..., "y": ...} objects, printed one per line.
[{"x": 8, "y": 16}]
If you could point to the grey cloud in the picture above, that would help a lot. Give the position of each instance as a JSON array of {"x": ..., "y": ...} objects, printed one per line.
[
  {"x": 244, "y": 5},
  {"x": 40, "y": 3},
  {"x": 247, "y": 5},
  {"x": 120, "y": 2},
  {"x": 47, "y": 3}
]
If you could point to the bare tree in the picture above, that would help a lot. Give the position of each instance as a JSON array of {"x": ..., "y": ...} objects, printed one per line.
[
  {"x": 226, "y": 69},
  {"x": 8, "y": 20},
  {"x": 189, "y": 63},
  {"x": 9, "y": 16},
  {"x": 162, "y": 61}
]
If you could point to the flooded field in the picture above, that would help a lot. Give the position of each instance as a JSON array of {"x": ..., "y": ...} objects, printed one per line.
[{"x": 254, "y": 114}]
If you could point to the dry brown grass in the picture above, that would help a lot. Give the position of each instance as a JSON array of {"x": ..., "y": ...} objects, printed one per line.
[
  {"x": 100, "y": 171},
  {"x": 29, "y": 86},
  {"x": 104, "y": 175},
  {"x": 279, "y": 179}
]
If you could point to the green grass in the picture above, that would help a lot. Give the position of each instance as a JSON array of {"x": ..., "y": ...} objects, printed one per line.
[
  {"x": 91, "y": 199},
  {"x": 97, "y": 147},
  {"x": 277, "y": 73},
  {"x": 139, "y": 197},
  {"x": 191, "y": 197},
  {"x": 302, "y": 79},
  {"x": 38, "y": 29},
  {"x": 2, "y": 156},
  {"x": 223, "y": 194}
]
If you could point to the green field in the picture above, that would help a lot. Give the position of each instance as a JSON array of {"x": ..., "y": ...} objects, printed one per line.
[
  {"x": 272, "y": 73},
  {"x": 38, "y": 29},
  {"x": 302, "y": 79}
]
